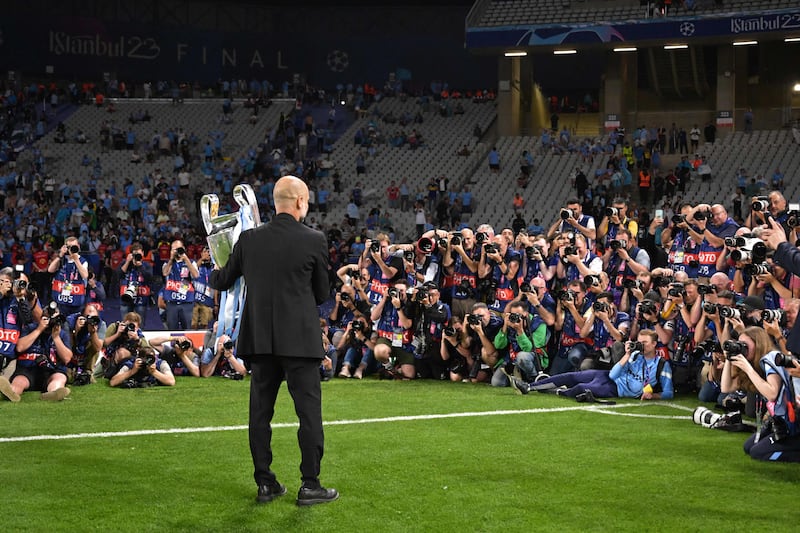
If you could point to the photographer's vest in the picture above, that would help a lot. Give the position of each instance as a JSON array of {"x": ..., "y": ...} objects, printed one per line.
[
  {"x": 601, "y": 337},
  {"x": 570, "y": 332},
  {"x": 572, "y": 272},
  {"x": 134, "y": 275},
  {"x": 618, "y": 270},
  {"x": 388, "y": 327},
  {"x": 179, "y": 288},
  {"x": 682, "y": 252},
  {"x": 378, "y": 284},
  {"x": 506, "y": 288},
  {"x": 583, "y": 221},
  {"x": 462, "y": 273},
  {"x": 68, "y": 287},
  {"x": 202, "y": 292},
  {"x": 9, "y": 326},
  {"x": 612, "y": 231},
  {"x": 708, "y": 255},
  {"x": 46, "y": 347}
]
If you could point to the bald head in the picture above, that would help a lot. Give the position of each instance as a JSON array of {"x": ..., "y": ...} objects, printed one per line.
[{"x": 291, "y": 197}]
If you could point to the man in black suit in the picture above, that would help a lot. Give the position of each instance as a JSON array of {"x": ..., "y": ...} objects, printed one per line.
[{"x": 285, "y": 266}]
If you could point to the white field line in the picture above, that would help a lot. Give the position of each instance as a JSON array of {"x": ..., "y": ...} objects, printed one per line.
[{"x": 170, "y": 431}]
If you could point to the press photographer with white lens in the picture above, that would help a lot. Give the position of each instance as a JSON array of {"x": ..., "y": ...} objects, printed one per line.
[{"x": 136, "y": 275}]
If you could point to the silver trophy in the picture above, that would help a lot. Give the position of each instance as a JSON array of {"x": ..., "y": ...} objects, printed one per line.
[{"x": 222, "y": 229}]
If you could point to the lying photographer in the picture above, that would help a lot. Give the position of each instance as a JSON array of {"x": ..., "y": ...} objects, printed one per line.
[
  {"x": 121, "y": 341},
  {"x": 142, "y": 368},
  {"x": 640, "y": 373},
  {"x": 220, "y": 360},
  {"x": 43, "y": 350},
  {"x": 520, "y": 343},
  {"x": 179, "y": 353}
]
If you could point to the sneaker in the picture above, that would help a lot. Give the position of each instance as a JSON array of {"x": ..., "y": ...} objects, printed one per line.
[
  {"x": 359, "y": 373},
  {"x": 519, "y": 386},
  {"x": 267, "y": 493},
  {"x": 344, "y": 372},
  {"x": 7, "y": 390},
  {"x": 558, "y": 390},
  {"x": 56, "y": 395},
  {"x": 585, "y": 397}
]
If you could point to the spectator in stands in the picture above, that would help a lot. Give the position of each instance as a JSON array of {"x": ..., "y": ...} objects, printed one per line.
[{"x": 494, "y": 160}]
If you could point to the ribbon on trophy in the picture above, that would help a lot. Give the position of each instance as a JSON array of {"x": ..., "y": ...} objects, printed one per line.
[{"x": 223, "y": 232}]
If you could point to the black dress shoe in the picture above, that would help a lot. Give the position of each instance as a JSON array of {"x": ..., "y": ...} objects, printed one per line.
[
  {"x": 309, "y": 496},
  {"x": 267, "y": 493}
]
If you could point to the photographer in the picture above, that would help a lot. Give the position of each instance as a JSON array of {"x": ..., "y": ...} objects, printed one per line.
[
  {"x": 43, "y": 351},
  {"x": 70, "y": 274},
  {"x": 615, "y": 219},
  {"x": 633, "y": 291},
  {"x": 460, "y": 264},
  {"x": 535, "y": 251},
  {"x": 772, "y": 283},
  {"x": 421, "y": 260},
  {"x": 640, "y": 373},
  {"x": 711, "y": 374},
  {"x": 788, "y": 257},
  {"x": 540, "y": 302},
  {"x": 710, "y": 324},
  {"x": 570, "y": 309},
  {"x": 357, "y": 344},
  {"x": 576, "y": 261},
  {"x": 683, "y": 250},
  {"x": 141, "y": 369},
  {"x": 394, "y": 325},
  {"x": 774, "y": 204},
  {"x": 135, "y": 279},
  {"x": 648, "y": 316},
  {"x": 430, "y": 316},
  {"x": 10, "y": 325},
  {"x": 88, "y": 331},
  {"x": 482, "y": 327},
  {"x": 571, "y": 218},
  {"x": 455, "y": 349},
  {"x": 179, "y": 353},
  {"x": 220, "y": 359},
  {"x": 520, "y": 343},
  {"x": 122, "y": 339},
  {"x": 623, "y": 260},
  {"x": 383, "y": 267},
  {"x": 605, "y": 326},
  {"x": 206, "y": 299},
  {"x": 179, "y": 292},
  {"x": 709, "y": 225},
  {"x": 499, "y": 265}
]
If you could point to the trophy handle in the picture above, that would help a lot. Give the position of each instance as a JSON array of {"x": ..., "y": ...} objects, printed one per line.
[
  {"x": 246, "y": 197},
  {"x": 209, "y": 209}
]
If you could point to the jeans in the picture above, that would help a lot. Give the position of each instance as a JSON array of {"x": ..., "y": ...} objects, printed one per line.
[
  {"x": 569, "y": 358},
  {"x": 528, "y": 365},
  {"x": 709, "y": 392},
  {"x": 140, "y": 310},
  {"x": 179, "y": 315}
]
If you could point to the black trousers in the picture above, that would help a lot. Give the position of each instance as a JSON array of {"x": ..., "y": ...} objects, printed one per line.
[{"x": 303, "y": 380}]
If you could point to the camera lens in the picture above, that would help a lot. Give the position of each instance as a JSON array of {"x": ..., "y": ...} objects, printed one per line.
[
  {"x": 180, "y": 251},
  {"x": 227, "y": 345},
  {"x": 137, "y": 257},
  {"x": 73, "y": 249}
]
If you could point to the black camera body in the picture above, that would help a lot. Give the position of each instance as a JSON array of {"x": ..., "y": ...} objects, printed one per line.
[
  {"x": 421, "y": 294},
  {"x": 449, "y": 331},
  {"x": 635, "y": 346},
  {"x": 733, "y": 348},
  {"x": 567, "y": 213},
  {"x": 616, "y": 244},
  {"x": 647, "y": 307},
  {"x": 393, "y": 292},
  {"x": 137, "y": 256},
  {"x": 74, "y": 249},
  {"x": 631, "y": 284},
  {"x": 676, "y": 289},
  {"x": 357, "y": 325},
  {"x": 785, "y": 360},
  {"x": 130, "y": 327},
  {"x": 678, "y": 219},
  {"x": 703, "y": 215},
  {"x": 408, "y": 256},
  {"x": 612, "y": 211},
  {"x": 491, "y": 249},
  {"x": 705, "y": 289},
  {"x": 600, "y": 306},
  {"x": 481, "y": 237},
  {"x": 710, "y": 308},
  {"x": 532, "y": 251},
  {"x": 227, "y": 345},
  {"x": 93, "y": 320},
  {"x": 184, "y": 345},
  {"x": 514, "y": 318},
  {"x": 525, "y": 287},
  {"x": 147, "y": 359},
  {"x": 344, "y": 297},
  {"x": 473, "y": 320},
  {"x": 455, "y": 240},
  {"x": 661, "y": 281},
  {"x": 180, "y": 251},
  {"x": 566, "y": 295}
]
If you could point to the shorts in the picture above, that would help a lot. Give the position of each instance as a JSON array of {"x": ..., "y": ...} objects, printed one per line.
[
  {"x": 201, "y": 316},
  {"x": 36, "y": 376},
  {"x": 401, "y": 355}
]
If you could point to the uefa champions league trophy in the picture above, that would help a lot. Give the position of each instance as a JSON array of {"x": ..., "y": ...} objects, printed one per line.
[{"x": 223, "y": 232}]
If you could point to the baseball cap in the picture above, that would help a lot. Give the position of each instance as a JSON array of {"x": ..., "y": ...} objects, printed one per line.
[{"x": 752, "y": 303}]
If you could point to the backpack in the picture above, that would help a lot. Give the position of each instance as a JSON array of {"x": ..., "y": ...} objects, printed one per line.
[{"x": 782, "y": 411}]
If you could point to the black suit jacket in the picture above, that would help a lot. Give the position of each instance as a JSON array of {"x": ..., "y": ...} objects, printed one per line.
[
  {"x": 788, "y": 257},
  {"x": 285, "y": 266}
]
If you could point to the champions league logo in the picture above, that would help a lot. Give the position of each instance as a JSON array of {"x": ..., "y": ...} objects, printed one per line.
[
  {"x": 687, "y": 29},
  {"x": 338, "y": 61}
]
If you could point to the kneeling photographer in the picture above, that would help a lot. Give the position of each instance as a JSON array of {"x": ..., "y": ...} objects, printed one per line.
[
  {"x": 220, "y": 360},
  {"x": 605, "y": 326},
  {"x": 520, "y": 345},
  {"x": 88, "y": 332},
  {"x": 142, "y": 369}
]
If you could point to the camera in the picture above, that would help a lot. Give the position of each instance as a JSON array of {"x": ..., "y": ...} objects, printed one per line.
[
  {"x": 455, "y": 240},
  {"x": 147, "y": 357},
  {"x": 129, "y": 296},
  {"x": 735, "y": 241},
  {"x": 183, "y": 345},
  {"x": 514, "y": 318},
  {"x": 785, "y": 360},
  {"x": 566, "y": 214},
  {"x": 137, "y": 256},
  {"x": 19, "y": 284},
  {"x": 591, "y": 280},
  {"x": 732, "y": 348},
  {"x": 647, "y": 307},
  {"x": 473, "y": 320},
  {"x": 612, "y": 212},
  {"x": 703, "y": 416},
  {"x": 710, "y": 308},
  {"x": 631, "y": 284},
  {"x": 449, "y": 331},
  {"x": 761, "y": 203},
  {"x": 227, "y": 345},
  {"x": 375, "y": 247},
  {"x": 706, "y": 347},
  {"x": 678, "y": 219},
  {"x": 56, "y": 321},
  {"x": 676, "y": 289},
  {"x": 481, "y": 237},
  {"x": 600, "y": 306},
  {"x": 357, "y": 325},
  {"x": 533, "y": 251},
  {"x": 93, "y": 320},
  {"x": 180, "y": 251},
  {"x": 525, "y": 287},
  {"x": 730, "y": 312},
  {"x": 130, "y": 327},
  {"x": 616, "y": 244},
  {"x": 768, "y": 315},
  {"x": 393, "y": 292},
  {"x": 705, "y": 289},
  {"x": 344, "y": 297},
  {"x": 635, "y": 346},
  {"x": 421, "y": 294},
  {"x": 74, "y": 249},
  {"x": 566, "y": 295},
  {"x": 753, "y": 249},
  {"x": 464, "y": 285},
  {"x": 793, "y": 216},
  {"x": 703, "y": 215},
  {"x": 661, "y": 281},
  {"x": 491, "y": 249},
  {"x": 51, "y": 309},
  {"x": 409, "y": 256},
  {"x": 442, "y": 243},
  {"x": 757, "y": 270}
]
